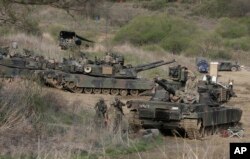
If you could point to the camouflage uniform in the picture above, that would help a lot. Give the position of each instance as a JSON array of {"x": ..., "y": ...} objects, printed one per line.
[
  {"x": 191, "y": 94},
  {"x": 101, "y": 109},
  {"x": 13, "y": 49},
  {"x": 117, "y": 104},
  {"x": 108, "y": 58},
  {"x": 178, "y": 97}
]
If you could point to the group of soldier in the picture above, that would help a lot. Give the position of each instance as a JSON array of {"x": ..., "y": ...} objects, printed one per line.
[{"x": 102, "y": 115}]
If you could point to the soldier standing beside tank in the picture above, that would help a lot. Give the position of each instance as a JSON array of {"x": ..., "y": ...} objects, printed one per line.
[
  {"x": 117, "y": 104},
  {"x": 101, "y": 113}
]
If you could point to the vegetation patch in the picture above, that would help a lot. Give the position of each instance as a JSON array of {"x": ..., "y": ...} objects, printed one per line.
[
  {"x": 134, "y": 146},
  {"x": 232, "y": 29},
  {"x": 171, "y": 33},
  {"x": 223, "y": 8}
]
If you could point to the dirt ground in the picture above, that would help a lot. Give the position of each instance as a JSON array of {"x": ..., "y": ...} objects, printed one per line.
[{"x": 177, "y": 147}]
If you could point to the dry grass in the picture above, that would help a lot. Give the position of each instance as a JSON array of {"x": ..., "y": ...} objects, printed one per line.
[
  {"x": 44, "y": 45},
  {"x": 41, "y": 124}
]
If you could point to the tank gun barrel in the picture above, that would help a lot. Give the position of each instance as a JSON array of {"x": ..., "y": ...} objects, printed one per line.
[
  {"x": 144, "y": 65},
  {"x": 152, "y": 65},
  {"x": 163, "y": 83}
]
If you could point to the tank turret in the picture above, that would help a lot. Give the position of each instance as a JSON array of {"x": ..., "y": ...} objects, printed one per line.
[
  {"x": 133, "y": 71},
  {"x": 114, "y": 70}
]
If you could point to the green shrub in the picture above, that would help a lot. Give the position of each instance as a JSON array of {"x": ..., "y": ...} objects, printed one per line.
[
  {"x": 154, "y": 4},
  {"x": 171, "y": 33},
  {"x": 144, "y": 30},
  {"x": 239, "y": 43},
  {"x": 246, "y": 22},
  {"x": 232, "y": 29},
  {"x": 220, "y": 54},
  {"x": 175, "y": 45},
  {"x": 223, "y": 8}
]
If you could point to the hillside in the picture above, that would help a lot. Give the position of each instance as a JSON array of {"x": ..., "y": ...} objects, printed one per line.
[{"x": 43, "y": 122}]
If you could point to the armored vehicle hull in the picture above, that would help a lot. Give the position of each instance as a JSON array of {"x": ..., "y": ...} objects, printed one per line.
[
  {"x": 89, "y": 84},
  {"x": 20, "y": 67},
  {"x": 196, "y": 120}
]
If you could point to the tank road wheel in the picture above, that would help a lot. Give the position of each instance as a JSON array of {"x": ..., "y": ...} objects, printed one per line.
[
  {"x": 71, "y": 85},
  {"x": 123, "y": 92},
  {"x": 134, "y": 92},
  {"x": 114, "y": 92},
  {"x": 57, "y": 84},
  {"x": 105, "y": 91},
  {"x": 77, "y": 90},
  {"x": 87, "y": 90},
  {"x": 97, "y": 91},
  {"x": 233, "y": 69}
]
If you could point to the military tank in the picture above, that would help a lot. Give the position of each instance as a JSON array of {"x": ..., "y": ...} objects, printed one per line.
[
  {"x": 20, "y": 66},
  {"x": 114, "y": 79},
  {"x": 198, "y": 119}
]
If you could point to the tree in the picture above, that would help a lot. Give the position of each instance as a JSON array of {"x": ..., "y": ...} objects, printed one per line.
[{"x": 16, "y": 12}]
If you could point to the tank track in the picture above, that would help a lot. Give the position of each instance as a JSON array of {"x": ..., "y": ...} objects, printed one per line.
[{"x": 106, "y": 91}]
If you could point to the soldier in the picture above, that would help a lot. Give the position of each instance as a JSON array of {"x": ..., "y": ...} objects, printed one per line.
[
  {"x": 117, "y": 104},
  {"x": 108, "y": 58},
  {"x": 178, "y": 97},
  {"x": 190, "y": 94},
  {"x": 85, "y": 60},
  {"x": 101, "y": 110},
  {"x": 191, "y": 90},
  {"x": 13, "y": 49},
  {"x": 230, "y": 84},
  {"x": 231, "y": 90}
]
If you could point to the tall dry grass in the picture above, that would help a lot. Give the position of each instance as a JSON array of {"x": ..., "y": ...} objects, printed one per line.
[
  {"x": 43, "y": 45},
  {"x": 37, "y": 123}
]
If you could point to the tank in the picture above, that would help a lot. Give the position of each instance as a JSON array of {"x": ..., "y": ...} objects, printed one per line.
[
  {"x": 21, "y": 66},
  {"x": 195, "y": 119},
  {"x": 114, "y": 79}
]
